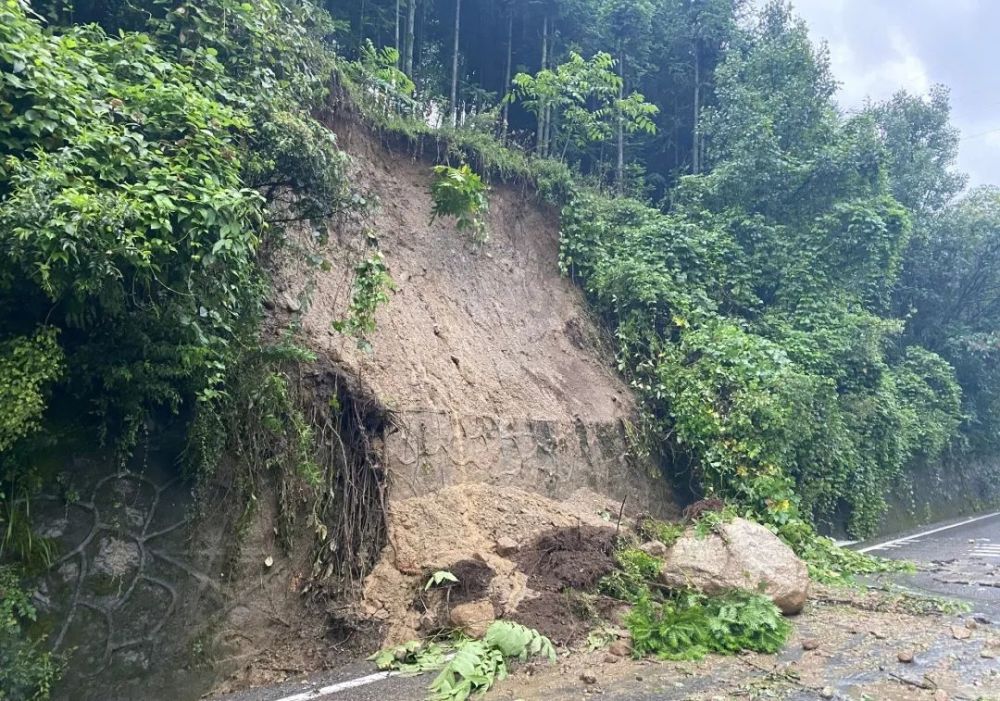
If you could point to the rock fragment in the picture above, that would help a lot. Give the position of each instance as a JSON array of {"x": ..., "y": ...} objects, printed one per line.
[{"x": 473, "y": 618}]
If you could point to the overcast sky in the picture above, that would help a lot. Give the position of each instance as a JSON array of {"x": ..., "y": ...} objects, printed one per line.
[{"x": 880, "y": 46}]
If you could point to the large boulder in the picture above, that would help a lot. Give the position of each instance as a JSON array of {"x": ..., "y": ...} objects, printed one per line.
[{"x": 738, "y": 555}]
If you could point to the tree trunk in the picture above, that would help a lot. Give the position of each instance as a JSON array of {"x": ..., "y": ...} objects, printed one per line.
[
  {"x": 543, "y": 109},
  {"x": 548, "y": 131},
  {"x": 361, "y": 24},
  {"x": 396, "y": 36},
  {"x": 506, "y": 76},
  {"x": 454, "y": 64},
  {"x": 620, "y": 169},
  {"x": 411, "y": 15},
  {"x": 696, "y": 146}
]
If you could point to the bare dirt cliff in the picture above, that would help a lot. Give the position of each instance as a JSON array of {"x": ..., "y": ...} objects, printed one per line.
[
  {"x": 508, "y": 418},
  {"x": 486, "y": 357}
]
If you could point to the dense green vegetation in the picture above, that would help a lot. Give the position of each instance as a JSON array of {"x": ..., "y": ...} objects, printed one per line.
[
  {"x": 150, "y": 158},
  {"x": 144, "y": 174},
  {"x": 807, "y": 302}
]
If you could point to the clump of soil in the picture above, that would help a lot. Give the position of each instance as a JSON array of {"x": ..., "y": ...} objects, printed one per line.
[
  {"x": 474, "y": 577},
  {"x": 552, "y": 614},
  {"x": 465, "y": 524},
  {"x": 568, "y": 558},
  {"x": 559, "y": 564},
  {"x": 693, "y": 512}
]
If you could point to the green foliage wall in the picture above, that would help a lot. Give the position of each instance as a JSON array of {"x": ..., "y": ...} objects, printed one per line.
[
  {"x": 148, "y": 165},
  {"x": 754, "y": 318}
]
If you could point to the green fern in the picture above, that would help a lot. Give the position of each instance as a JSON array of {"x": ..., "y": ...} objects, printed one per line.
[
  {"x": 744, "y": 621},
  {"x": 691, "y": 625},
  {"x": 474, "y": 668},
  {"x": 514, "y": 640},
  {"x": 413, "y": 657}
]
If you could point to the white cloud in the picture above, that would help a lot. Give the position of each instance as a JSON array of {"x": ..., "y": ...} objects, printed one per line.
[
  {"x": 878, "y": 47},
  {"x": 898, "y": 66}
]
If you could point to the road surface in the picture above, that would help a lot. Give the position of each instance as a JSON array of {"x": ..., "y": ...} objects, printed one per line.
[{"x": 959, "y": 560}]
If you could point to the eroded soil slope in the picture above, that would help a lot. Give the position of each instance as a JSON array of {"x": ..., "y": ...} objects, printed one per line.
[{"x": 485, "y": 355}]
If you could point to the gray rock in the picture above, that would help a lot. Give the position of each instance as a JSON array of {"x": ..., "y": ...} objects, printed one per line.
[
  {"x": 620, "y": 648},
  {"x": 290, "y": 302},
  {"x": 960, "y": 633},
  {"x": 740, "y": 555},
  {"x": 506, "y": 546},
  {"x": 654, "y": 548}
]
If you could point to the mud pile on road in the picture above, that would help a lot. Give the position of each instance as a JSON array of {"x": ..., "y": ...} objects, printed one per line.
[
  {"x": 560, "y": 564},
  {"x": 522, "y": 552}
]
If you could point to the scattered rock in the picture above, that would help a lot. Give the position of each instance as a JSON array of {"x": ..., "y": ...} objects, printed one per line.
[
  {"x": 620, "y": 648},
  {"x": 654, "y": 548},
  {"x": 982, "y": 620},
  {"x": 506, "y": 546},
  {"x": 827, "y": 692},
  {"x": 290, "y": 302},
  {"x": 810, "y": 644},
  {"x": 941, "y": 695},
  {"x": 611, "y": 659},
  {"x": 905, "y": 656},
  {"x": 960, "y": 633},
  {"x": 742, "y": 555},
  {"x": 991, "y": 650},
  {"x": 971, "y": 624},
  {"x": 588, "y": 677},
  {"x": 473, "y": 618}
]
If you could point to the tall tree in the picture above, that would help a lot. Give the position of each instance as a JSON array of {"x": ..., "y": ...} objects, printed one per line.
[
  {"x": 454, "y": 64},
  {"x": 922, "y": 147},
  {"x": 411, "y": 14}
]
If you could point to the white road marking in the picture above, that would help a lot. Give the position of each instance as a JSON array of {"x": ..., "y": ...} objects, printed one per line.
[
  {"x": 986, "y": 550},
  {"x": 910, "y": 539},
  {"x": 336, "y": 688}
]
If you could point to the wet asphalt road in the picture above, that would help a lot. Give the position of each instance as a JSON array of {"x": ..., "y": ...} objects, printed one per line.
[
  {"x": 955, "y": 560},
  {"x": 959, "y": 561}
]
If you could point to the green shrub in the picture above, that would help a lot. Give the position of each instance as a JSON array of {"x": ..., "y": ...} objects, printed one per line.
[
  {"x": 654, "y": 529},
  {"x": 689, "y": 626},
  {"x": 27, "y": 672},
  {"x": 460, "y": 193},
  {"x": 629, "y": 581},
  {"x": 370, "y": 289},
  {"x": 28, "y": 366}
]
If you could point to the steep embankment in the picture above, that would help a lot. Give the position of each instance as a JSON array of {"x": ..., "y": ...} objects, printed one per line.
[
  {"x": 508, "y": 415},
  {"x": 486, "y": 356}
]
